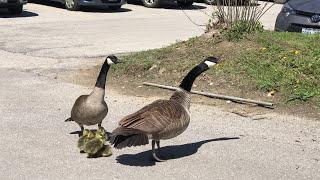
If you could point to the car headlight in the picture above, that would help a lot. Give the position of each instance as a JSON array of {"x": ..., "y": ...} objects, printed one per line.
[{"x": 288, "y": 10}]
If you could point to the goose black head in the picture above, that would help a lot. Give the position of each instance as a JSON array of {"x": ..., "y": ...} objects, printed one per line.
[
  {"x": 112, "y": 59},
  {"x": 211, "y": 61}
]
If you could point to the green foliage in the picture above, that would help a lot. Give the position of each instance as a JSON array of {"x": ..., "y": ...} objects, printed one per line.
[{"x": 239, "y": 29}]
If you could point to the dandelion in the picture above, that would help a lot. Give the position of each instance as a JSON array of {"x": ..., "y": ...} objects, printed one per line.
[
  {"x": 263, "y": 49},
  {"x": 296, "y": 52}
]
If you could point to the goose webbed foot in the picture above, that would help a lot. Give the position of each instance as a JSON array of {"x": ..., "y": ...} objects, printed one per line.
[{"x": 154, "y": 151}]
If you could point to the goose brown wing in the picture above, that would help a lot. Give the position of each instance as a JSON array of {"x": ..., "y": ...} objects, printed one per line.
[{"x": 155, "y": 117}]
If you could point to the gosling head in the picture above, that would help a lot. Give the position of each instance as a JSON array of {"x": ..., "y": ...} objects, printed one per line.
[
  {"x": 112, "y": 59},
  {"x": 85, "y": 132},
  {"x": 211, "y": 61}
]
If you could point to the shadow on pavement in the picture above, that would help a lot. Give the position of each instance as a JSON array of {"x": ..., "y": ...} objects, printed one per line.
[
  {"x": 169, "y": 5},
  {"x": 166, "y": 153},
  {"x": 6, "y": 14},
  {"x": 104, "y": 10}
]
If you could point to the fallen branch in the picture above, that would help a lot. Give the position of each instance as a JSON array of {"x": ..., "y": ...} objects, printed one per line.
[{"x": 218, "y": 96}]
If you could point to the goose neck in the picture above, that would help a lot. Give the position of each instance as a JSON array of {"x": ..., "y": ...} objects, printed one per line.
[
  {"x": 188, "y": 80},
  {"x": 101, "y": 80}
]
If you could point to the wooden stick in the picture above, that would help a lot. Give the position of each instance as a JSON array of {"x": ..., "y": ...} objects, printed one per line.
[{"x": 218, "y": 96}]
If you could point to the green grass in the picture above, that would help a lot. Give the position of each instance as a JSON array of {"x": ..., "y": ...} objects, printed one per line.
[{"x": 288, "y": 63}]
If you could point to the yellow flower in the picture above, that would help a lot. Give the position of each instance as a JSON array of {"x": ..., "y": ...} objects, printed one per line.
[
  {"x": 296, "y": 52},
  {"x": 284, "y": 57},
  {"x": 263, "y": 49}
]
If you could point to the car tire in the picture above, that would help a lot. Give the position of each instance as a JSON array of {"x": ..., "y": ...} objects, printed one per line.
[
  {"x": 184, "y": 3},
  {"x": 280, "y": 1},
  {"x": 114, "y": 8},
  {"x": 210, "y": 2},
  {"x": 151, "y": 3},
  {"x": 16, "y": 10},
  {"x": 72, "y": 5}
]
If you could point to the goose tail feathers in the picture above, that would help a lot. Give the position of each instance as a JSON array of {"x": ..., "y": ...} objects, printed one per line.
[{"x": 125, "y": 137}]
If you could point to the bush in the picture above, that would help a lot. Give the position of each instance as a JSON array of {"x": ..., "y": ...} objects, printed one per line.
[{"x": 238, "y": 17}]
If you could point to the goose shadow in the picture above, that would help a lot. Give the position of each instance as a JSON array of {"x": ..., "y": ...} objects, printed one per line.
[{"x": 168, "y": 152}]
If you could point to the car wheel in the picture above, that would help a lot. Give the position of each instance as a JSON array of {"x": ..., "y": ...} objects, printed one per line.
[
  {"x": 72, "y": 5},
  {"x": 210, "y": 1},
  {"x": 151, "y": 3},
  {"x": 115, "y": 7},
  {"x": 16, "y": 10},
  {"x": 280, "y": 1},
  {"x": 185, "y": 3}
]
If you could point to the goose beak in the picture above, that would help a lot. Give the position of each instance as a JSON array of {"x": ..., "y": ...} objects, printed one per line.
[{"x": 119, "y": 62}]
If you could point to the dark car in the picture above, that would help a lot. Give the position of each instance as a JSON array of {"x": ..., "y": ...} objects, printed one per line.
[
  {"x": 75, "y": 5},
  {"x": 299, "y": 16},
  {"x": 14, "y": 6},
  {"x": 156, "y": 3}
]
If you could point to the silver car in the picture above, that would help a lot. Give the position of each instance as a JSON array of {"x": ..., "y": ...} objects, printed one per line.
[{"x": 299, "y": 16}]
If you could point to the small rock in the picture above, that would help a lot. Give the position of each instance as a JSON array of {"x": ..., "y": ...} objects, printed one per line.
[
  {"x": 139, "y": 86},
  {"x": 271, "y": 93},
  {"x": 162, "y": 70},
  {"x": 210, "y": 84},
  {"x": 123, "y": 87},
  {"x": 228, "y": 102},
  {"x": 153, "y": 67}
]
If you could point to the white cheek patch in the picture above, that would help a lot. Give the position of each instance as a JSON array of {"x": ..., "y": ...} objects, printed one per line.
[
  {"x": 109, "y": 61},
  {"x": 209, "y": 63}
]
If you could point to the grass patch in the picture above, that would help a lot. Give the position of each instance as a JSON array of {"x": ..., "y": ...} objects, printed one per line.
[{"x": 288, "y": 63}]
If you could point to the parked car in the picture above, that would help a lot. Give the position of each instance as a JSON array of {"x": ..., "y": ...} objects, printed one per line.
[
  {"x": 156, "y": 3},
  {"x": 299, "y": 16},
  {"x": 213, "y": 2},
  {"x": 74, "y": 5},
  {"x": 14, "y": 6}
]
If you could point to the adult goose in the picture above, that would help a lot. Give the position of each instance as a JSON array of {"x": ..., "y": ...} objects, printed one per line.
[
  {"x": 162, "y": 119},
  {"x": 92, "y": 109}
]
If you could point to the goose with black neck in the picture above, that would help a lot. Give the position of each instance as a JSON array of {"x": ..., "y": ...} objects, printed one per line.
[
  {"x": 92, "y": 109},
  {"x": 162, "y": 119}
]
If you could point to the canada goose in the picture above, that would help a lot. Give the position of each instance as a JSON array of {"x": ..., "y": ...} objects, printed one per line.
[
  {"x": 162, "y": 119},
  {"x": 92, "y": 109}
]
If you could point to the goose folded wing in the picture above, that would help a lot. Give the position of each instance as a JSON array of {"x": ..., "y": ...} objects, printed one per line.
[{"x": 154, "y": 117}]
